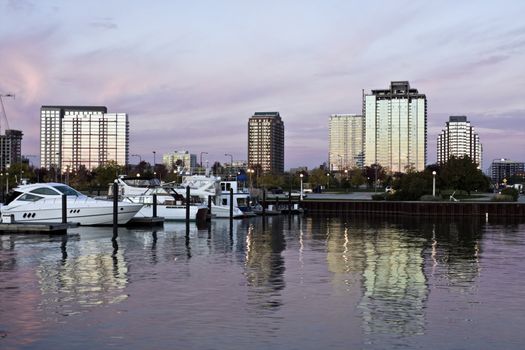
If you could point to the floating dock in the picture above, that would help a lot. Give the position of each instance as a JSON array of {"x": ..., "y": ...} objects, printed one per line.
[
  {"x": 146, "y": 221},
  {"x": 35, "y": 228}
]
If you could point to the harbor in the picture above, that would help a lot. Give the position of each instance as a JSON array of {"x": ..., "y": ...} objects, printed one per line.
[{"x": 276, "y": 282}]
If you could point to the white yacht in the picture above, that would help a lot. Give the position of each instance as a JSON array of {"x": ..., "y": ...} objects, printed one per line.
[
  {"x": 170, "y": 204},
  {"x": 207, "y": 185},
  {"x": 42, "y": 202}
]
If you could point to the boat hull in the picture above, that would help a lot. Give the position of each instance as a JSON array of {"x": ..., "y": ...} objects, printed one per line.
[
  {"x": 173, "y": 212},
  {"x": 83, "y": 212}
]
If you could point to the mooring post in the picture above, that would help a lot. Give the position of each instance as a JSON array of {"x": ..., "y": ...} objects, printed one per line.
[
  {"x": 209, "y": 205},
  {"x": 289, "y": 202},
  {"x": 64, "y": 209},
  {"x": 264, "y": 202},
  {"x": 276, "y": 203},
  {"x": 115, "y": 211},
  {"x": 231, "y": 203},
  {"x": 188, "y": 210},
  {"x": 154, "y": 205}
]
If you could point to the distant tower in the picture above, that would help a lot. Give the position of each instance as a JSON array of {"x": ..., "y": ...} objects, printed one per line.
[
  {"x": 74, "y": 136},
  {"x": 266, "y": 142},
  {"x": 345, "y": 141},
  {"x": 459, "y": 139},
  {"x": 396, "y": 128}
]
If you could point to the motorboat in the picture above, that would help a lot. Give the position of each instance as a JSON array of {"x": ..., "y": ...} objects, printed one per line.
[
  {"x": 171, "y": 205},
  {"x": 205, "y": 186},
  {"x": 169, "y": 209},
  {"x": 42, "y": 202}
]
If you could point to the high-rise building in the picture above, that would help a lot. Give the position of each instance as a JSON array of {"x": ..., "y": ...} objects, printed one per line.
[
  {"x": 396, "y": 128},
  {"x": 181, "y": 161},
  {"x": 458, "y": 139},
  {"x": 10, "y": 148},
  {"x": 71, "y": 136},
  {"x": 503, "y": 169},
  {"x": 266, "y": 142},
  {"x": 346, "y": 136}
]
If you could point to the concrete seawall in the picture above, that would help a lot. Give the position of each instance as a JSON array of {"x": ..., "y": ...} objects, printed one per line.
[{"x": 493, "y": 209}]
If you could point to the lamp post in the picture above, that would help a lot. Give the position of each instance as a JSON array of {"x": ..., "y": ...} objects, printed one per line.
[
  {"x": 137, "y": 155},
  {"x": 434, "y": 183},
  {"x": 327, "y": 180},
  {"x": 231, "y": 162},
  {"x": 375, "y": 182},
  {"x": 250, "y": 172},
  {"x": 154, "y": 163},
  {"x": 301, "y": 176}
]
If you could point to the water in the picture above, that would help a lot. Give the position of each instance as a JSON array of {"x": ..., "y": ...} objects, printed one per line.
[{"x": 279, "y": 283}]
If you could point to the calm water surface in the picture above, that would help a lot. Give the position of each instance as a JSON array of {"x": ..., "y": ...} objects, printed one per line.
[{"x": 277, "y": 283}]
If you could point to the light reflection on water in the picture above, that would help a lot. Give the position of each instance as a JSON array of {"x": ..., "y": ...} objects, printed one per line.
[{"x": 279, "y": 282}]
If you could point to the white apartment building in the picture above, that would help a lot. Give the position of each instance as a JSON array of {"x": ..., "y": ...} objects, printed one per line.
[
  {"x": 459, "y": 139},
  {"x": 396, "y": 128},
  {"x": 181, "y": 161},
  {"x": 74, "y": 136},
  {"x": 346, "y": 137}
]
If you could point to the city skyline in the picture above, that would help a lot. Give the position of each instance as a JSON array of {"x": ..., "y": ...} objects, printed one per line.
[{"x": 192, "y": 78}]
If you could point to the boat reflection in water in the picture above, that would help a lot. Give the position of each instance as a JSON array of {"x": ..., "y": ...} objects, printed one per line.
[{"x": 86, "y": 276}]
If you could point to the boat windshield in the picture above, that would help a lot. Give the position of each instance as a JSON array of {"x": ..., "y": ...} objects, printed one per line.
[
  {"x": 142, "y": 182},
  {"x": 68, "y": 191}
]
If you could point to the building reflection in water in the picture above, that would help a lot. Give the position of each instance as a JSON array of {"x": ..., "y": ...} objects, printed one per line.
[
  {"x": 392, "y": 260},
  {"x": 264, "y": 263}
]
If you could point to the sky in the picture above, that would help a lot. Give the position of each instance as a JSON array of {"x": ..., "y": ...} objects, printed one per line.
[{"x": 190, "y": 73}]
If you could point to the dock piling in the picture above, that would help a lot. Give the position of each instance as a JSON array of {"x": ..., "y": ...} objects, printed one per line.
[
  {"x": 154, "y": 205},
  {"x": 264, "y": 202},
  {"x": 231, "y": 203},
  {"x": 115, "y": 211},
  {"x": 188, "y": 198},
  {"x": 64, "y": 209}
]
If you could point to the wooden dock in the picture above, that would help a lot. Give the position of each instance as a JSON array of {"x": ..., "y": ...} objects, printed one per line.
[
  {"x": 146, "y": 221},
  {"x": 34, "y": 228}
]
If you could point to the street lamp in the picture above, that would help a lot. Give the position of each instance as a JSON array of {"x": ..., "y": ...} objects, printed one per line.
[
  {"x": 434, "y": 183},
  {"x": 137, "y": 155},
  {"x": 327, "y": 180},
  {"x": 301, "y": 176},
  {"x": 250, "y": 172},
  {"x": 154, "y": 163}
]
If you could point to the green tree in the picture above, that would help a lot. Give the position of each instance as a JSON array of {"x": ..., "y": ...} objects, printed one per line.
[
  {"x": 317, "y": 177},
  {"x": 412, "y": 185},
  {"x": 106, "y": 174},
  {"x": 271, "y": 180},
  {"x": 81, "y": 178},
  {"x": 356, "y": 177},
  {"x": 463, "y": 174}
]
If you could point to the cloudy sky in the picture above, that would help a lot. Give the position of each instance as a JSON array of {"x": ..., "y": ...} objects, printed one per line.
[{"x": 191, "y": 73}]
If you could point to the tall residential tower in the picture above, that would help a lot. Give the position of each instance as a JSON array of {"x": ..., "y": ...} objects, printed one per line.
[
  {"x": 266, "y": 142},
  {"x": 71, "y": 136},
  {"x": 458, "y": 139},
  {"x": 396, "y": 128},
  {"x": 10, "y": 148},
  {"x": 346, "y": 135}
]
